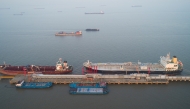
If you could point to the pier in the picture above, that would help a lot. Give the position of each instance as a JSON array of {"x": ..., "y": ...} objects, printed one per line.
[{"x": 95, "y": 78}]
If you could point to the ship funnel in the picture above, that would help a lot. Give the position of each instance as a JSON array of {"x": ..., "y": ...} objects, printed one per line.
[
  {"x": 174, "y": 59},
  {"x": 65, "y": 64}
]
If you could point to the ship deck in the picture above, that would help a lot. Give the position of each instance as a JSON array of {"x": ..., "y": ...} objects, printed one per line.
[{"x": 127, "y": 66}]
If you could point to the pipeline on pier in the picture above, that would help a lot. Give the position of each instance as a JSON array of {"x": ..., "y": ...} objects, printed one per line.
[{"x": 95, "y": 78}]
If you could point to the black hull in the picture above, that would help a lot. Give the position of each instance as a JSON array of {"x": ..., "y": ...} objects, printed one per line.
[
  {"x": 92, "y": 29},
  {"x": 89, "y": 70}
]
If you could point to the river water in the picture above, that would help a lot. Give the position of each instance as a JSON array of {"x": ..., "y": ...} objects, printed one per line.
[{"x": 134, "y": 30}]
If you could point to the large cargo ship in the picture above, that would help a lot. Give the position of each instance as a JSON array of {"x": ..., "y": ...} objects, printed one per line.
[
  {"x": 60, "y": 68},
  {"x": 165, "y": 66},
  {"x": 77, "y": 33}
]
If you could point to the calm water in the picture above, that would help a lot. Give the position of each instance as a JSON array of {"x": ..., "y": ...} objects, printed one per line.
[{"x": 126, "y": 33}]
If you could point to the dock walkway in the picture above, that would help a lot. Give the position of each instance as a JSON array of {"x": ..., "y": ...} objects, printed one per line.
[{"x": 95, "y": 78}]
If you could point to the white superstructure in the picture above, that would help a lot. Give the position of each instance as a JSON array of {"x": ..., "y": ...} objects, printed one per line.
[
  {"x": 60, "y": 65},
  {"x": 168, "y": 63}
]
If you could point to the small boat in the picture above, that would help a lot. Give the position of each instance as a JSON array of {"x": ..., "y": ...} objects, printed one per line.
[
  {"x": 101, "y": 12},
  {"x": 77, "y": 33},
  {"x": 33, "y": 85},
  {"x": 88, "y": 85},
  {"x": 88, "y": 91},
  {"x": 92, "y": 29}
]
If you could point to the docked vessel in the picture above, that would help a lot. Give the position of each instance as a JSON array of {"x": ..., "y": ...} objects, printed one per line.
[
  {"x": 33, "y": 85},
  {"x": 165, "y": 66},
  {"x": 101, "y": 12},
  {"x": 88, "y": 88},
  {"x": 92, "y": 29},
  {"x": 77, "y": 33},
  {"x": 60, "y": 68},
  {"x": 88, "y": 91},
  {"x": 88, "y": 85}
]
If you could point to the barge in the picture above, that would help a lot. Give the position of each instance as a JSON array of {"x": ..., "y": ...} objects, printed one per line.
[
  {"x": 166, "y": 66},
  {"x": 88, "y": 85},
  {"x": 77, "y": 33},
  {"x": 33, "y": 85},
  {"x": 88, "y": 91},
  {"x": 88, "y": 88},
  {"x": 60, "y": 68}
]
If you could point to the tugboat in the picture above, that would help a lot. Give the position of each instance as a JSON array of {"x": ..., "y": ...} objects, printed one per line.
[
  {"x": 77, "y": 33},
  {"x": 33, "y": 85},
  {"x": 165, "y": 66},
  {"x": 60, "y": 68}
]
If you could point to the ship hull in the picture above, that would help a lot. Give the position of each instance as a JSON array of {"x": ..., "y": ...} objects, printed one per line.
[
  {"x": 89, "y": 91},
  {"x": 95, "y": 13},
  {"x": 34, "y": 85},
  {"x": 15, "y": 70},
  {"x": 68, "y": 34},
  {"x": 88, "y": 85},
  {"x": 77, "y": 33},
  {"x": 90, "y": 70}
]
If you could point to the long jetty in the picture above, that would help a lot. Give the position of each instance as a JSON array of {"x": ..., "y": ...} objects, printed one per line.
[{"x": 95, "y": 78}]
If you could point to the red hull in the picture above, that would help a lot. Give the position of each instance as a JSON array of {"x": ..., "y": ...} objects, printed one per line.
[{"x": 15, "y": 70}]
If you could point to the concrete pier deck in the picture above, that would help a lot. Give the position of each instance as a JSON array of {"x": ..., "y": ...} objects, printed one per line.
[{"x": 94, "y": 78}]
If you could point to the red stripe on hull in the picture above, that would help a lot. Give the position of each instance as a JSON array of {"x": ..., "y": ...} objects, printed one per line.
[{"x": 10, "y": 72}]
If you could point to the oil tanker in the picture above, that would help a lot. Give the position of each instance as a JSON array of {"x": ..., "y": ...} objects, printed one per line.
[
  {"x": 165, "y": 66},
  {"x": 60, "y": 68}
]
